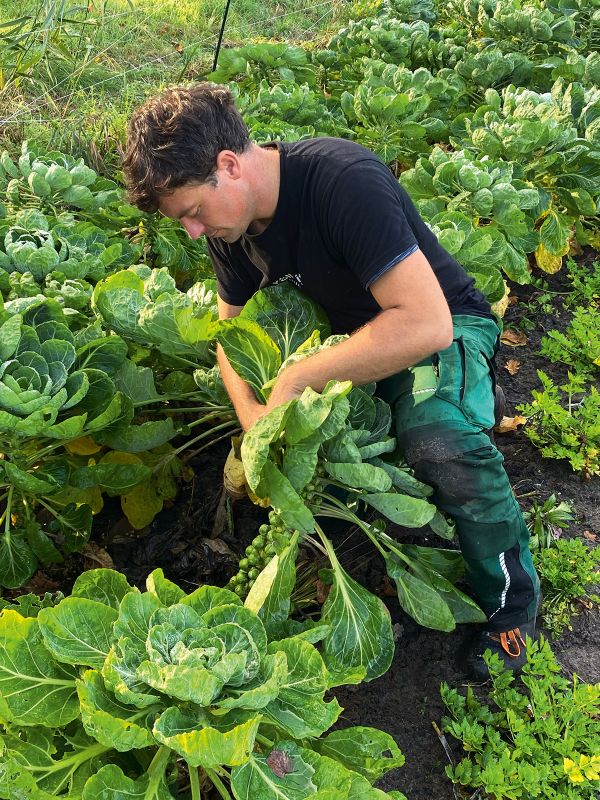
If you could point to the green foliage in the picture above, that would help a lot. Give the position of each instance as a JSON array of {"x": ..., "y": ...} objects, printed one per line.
[
  {"x": 294, "y": 457},
  {"x": 145, "y": 306},
  {"x": 540, "y": 740},
  {"x": 568, "y": 572},
  {"x": 564, "y": 422},
  {"x": 579, "y": 345},
  {"x": 92, "y": 681},
  {"x": 585, "y": 283},
  {"x": 545, "y": 520}
]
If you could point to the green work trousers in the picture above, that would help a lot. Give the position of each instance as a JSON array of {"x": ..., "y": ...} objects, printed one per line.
[{"x": 444, "y": 412}]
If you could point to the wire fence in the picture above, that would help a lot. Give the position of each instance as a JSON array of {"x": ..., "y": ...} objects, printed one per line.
[{"x": 254, "y": 28}]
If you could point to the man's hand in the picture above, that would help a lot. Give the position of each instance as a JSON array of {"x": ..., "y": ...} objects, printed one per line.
[{"x": 285, "y": 389}]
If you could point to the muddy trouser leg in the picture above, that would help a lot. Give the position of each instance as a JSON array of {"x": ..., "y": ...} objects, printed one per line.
[{"x": 442, "y": 409}]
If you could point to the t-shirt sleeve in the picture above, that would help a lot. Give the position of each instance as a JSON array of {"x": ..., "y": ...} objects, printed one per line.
[
  {"x": 367, "y": 220},
  {"x": 236, "y": 281}
]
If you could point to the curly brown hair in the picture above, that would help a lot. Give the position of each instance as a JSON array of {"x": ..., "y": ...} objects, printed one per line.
[{"x": 174, "y": 139}]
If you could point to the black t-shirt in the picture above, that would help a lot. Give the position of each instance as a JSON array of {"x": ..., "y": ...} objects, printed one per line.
[{"x": 342, "y": 220}]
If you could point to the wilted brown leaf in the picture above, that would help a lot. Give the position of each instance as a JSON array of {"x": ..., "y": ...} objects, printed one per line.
[
  {"x": 592, "y": 537},
  {"x": 512, "y": 366},
  {"x": 509, "y": 424},
  {"x": 95, "y": 556},
  {"x": 513, "y": 338},
  {"x": 323, "y": 590}
]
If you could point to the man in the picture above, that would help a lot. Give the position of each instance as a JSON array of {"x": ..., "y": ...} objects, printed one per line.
[{"x": 331, "y": 217}]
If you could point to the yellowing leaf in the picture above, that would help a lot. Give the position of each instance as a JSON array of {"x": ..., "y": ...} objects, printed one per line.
[
  {"x": 141, "y": 504},
  {"x": 84, "y": 446},
  {"x": 509, "y": 424},
  {"x": 513, "y": 338},
  {"x": 91, "y": 497},
  {"x": 234, "y": 477},
  {"x": 263, "y": 502},
  {"x": 546, "y": 261},
  {"x": 500, "y": 306},
  {"x": 262, "y": 586}
]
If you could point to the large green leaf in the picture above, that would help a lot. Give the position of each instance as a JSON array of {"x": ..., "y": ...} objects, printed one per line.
[
  {"x": 78, "y": 631},
  {"x": 206, "y": 746},
  {"x": 360, "y": 633},
  {"x": 411, "y": 512},
  {"x": 419, "y": 599},
  {"x": 36, "y": 689},
  {"x": 257, "y": 441},
  {"x": 103, "y": 585},
  {"x": 109, "y": 722},
  {"x": 250, "y": 351},
  {"x": 282, "y": 774},
  {"x": 287, "y": 315},
  {"x": 360, "y": 476},
  {"x": 47, "y": 763},
  {"x": 299, "y": 708},
  {"x": 284, "y": 499},
  {"x": 205, "y": 598},
  {"x": 276, "y": 607},
  {"x": 17, "y": 560},
  {"x": 369, "y": 751},
  {"x": 135, "y": 613},
  {"x": 111, "y": 783},
  {"x": 139, "y": 438}
]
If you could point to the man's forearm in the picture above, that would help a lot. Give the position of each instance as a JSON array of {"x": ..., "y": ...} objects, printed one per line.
[
  {"x": 389, "y": 343},
  {"x": 247, "y": 407}
]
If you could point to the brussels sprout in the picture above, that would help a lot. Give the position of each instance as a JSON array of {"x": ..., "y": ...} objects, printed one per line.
[
  {"x": 58, "y": 177},
  {"x": 39, "y": 186},
  {"x": 82, "y": 175},
  {"x": 78, "y": 196},
  {"x": 504, "y": 193},
  {"x": 528, "y": 198},
  {"x": 8, "y": 165},
  {"x": 541, "y": 30},
  {"x": 39, "y": 167},
  {"x": 253, "y": 573},
  {"x": 244, "y": 563},
  {"x": 451, "y": 240},
  {"x": 13, "y": 191},
  {"x": 25, "y": 165},
  {"x": 483, "y": 202},
  {"x": 486, "y": 141},
  {"x": 468, "y": 175}
]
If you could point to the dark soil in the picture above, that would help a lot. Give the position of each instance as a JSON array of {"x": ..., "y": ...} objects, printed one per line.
[{"x": 191, "y": 548}]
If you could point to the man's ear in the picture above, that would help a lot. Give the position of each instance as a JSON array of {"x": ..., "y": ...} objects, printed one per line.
[{"x": 229, "y": 163}]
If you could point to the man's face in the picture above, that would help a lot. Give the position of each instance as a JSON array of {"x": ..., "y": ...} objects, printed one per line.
[{"x": 217, "y": 211}]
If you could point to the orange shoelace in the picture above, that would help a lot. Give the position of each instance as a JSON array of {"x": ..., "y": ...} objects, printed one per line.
[{"x": 509, "y": 641}]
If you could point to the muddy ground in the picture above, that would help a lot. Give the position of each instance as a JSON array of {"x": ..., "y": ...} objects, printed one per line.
[{"x": 191, "y": 549}]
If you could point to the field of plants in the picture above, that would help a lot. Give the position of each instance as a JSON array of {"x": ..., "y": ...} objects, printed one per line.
[{"x": 192, "y": 614}]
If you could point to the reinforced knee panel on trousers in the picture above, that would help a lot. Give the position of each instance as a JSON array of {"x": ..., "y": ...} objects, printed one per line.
[{"x": 442, "y": 409}]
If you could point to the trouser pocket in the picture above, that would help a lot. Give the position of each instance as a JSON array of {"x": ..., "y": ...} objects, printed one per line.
[{"x": 466, "y": 379}]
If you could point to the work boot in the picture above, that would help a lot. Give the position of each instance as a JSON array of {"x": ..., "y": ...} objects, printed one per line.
[{"x": 510, "y": 645}]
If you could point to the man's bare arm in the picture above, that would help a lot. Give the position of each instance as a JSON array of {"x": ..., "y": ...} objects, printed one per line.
[
  {"x": 247, "y": 407},
  {"x": 415, "y": 322}
]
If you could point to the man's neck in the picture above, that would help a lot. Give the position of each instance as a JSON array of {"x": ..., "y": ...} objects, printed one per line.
[{"x": 266, "y": 177}]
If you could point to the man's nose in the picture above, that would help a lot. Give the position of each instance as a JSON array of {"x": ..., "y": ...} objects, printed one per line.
[{"x": 194, "y": 228}]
